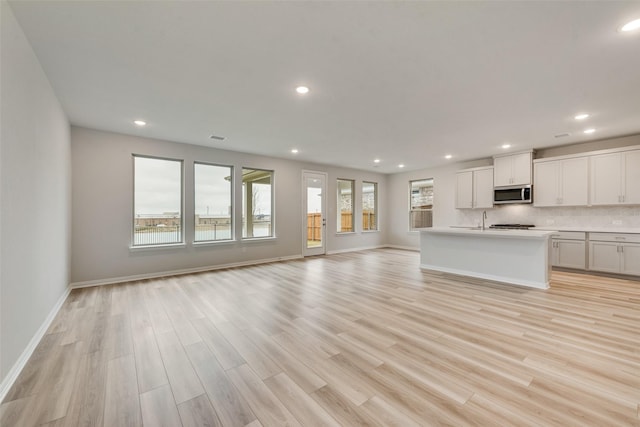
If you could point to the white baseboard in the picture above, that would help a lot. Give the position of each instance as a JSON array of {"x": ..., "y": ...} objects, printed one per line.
[
  {"x": 404, "y": 248},
  {"x": 363, "y": 248},
  {"x": 492, "y": 277},
  {"x": 122, "y": 279},
  {"x": 15, "y": 370}
]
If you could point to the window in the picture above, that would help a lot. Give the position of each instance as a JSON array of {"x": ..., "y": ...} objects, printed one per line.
[
  {"x": 212, "y": 197},
  {"x": 421, "y": 203},
  {"x": 257, "y": 195},
  {"x": 369, "y": 206},
  {"x": 345, "y": 205},
  {"x": 157, "y": 201}
]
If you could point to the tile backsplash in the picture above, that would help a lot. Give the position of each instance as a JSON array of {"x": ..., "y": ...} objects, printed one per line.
[{"x": 598, "y": 216}]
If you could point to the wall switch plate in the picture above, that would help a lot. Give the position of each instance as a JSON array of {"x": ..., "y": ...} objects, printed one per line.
[{"x": 616, "y": 222}]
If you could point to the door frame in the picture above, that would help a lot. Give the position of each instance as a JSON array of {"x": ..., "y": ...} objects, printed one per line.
[{"x": 322, "y": 250}]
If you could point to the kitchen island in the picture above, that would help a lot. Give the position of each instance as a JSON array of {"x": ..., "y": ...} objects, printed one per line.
[{"x": 519, "y": 257}]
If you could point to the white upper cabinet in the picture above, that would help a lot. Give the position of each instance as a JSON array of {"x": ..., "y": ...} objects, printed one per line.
[
  {"x": 464, "y": 190},
  {"x": 631, "y": 177},
  {"x": 615, "y": 178},
  {"x": 483, "y": 188},
  {"x": 561, "y": 182},
  {"x": 474, "y": 188},
  {"x": 514, "y": 169}
]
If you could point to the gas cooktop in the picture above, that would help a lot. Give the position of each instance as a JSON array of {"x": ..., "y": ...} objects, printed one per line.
[{"x": 512, "y": 226}]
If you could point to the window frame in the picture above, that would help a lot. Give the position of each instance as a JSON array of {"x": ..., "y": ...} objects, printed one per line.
[
  {"x": 428, "y": 211},
  {"x": 339, "y": 211},
  {"x": 375, "y": 207},
  {"x": 272, "y": 234},
  {"x": 232, "y": 221},
  {"x": 182, "y": 241}
]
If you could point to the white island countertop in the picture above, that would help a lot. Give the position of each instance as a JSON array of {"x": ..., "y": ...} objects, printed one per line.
[
  {"x": 532, "y": 233},
  {"x": 519, "y": 257}
]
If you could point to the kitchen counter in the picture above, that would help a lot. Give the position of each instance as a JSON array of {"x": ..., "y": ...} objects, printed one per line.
[
  {"x": 632, "y": 230},
  {"x": 519, "y": 257},
  {"x": 532, "y": 233}
]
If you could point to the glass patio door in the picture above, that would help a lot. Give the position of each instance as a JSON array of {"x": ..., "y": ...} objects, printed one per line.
[{"x": 314, "y": 210}]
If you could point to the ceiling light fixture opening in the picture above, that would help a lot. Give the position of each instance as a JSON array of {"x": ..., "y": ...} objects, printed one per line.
[
  {"x": 505, "y": 146},
  {"x": 376, "y": 161},
  {"x": 140, "y": 122},
  {"x": 401, "y": 165},
  {"x": 294, "y": 150},
  {"x": 302, "y": 90},
  {"x": 588, "y": 131},
  {"x": 581, "y": 116},
  {"x": 448, "y": 156},
  {"x": 630, "y": 26}
]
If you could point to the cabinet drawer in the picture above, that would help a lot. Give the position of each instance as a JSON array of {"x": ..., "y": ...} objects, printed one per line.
[
  {"x": 569, "y": 235},
  {"x": 615, "y": 237}
]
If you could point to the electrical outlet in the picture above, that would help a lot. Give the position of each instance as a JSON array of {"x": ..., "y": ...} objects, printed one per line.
[{"x": 616, "y": 222}]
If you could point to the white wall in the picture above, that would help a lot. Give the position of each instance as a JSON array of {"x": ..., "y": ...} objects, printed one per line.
[
  {"x": 103, "y": 207},
  {"x": 34, "y": 196}
]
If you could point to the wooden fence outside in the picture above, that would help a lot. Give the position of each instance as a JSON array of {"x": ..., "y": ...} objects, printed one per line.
[{"x": 314, "y": 224}]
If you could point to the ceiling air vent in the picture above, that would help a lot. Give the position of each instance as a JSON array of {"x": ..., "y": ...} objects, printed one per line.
[
  {"x": 562, "y": 135},
  {"x": 216, "y": 137}
]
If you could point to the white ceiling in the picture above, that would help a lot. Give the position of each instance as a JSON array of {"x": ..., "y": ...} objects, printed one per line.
[{"x": 407, "y": 82}]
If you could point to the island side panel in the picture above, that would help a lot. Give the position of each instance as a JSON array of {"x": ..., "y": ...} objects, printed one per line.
[{"x": 521, "y": 261}]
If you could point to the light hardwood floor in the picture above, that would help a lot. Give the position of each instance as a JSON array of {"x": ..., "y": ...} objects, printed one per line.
[{"x": 363, "y": 338}]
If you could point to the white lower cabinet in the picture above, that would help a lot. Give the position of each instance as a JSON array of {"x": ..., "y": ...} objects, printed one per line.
[
  {"x": 604, "y": 256},
  {"x": 568, "y": 250},
  {"x": 631, "y": 259},
  {"x": 614, "y": 253}
]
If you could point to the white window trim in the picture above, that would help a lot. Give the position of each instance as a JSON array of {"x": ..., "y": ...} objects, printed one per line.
[{"x": 133, "y": 204}]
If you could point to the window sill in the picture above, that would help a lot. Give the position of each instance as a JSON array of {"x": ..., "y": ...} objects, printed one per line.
[
  {"x": 214, "y": 243},
  {"x": 157, "y": 247},
  {"x": 257, "y": 239},
  {"x": 346, "y": 233},
  {"x": 370, "y": 231}
]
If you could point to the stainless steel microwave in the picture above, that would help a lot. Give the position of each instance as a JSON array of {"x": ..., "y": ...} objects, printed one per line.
[{"x": 515, "y": 194}]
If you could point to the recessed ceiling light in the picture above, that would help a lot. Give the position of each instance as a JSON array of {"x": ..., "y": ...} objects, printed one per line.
[
  {"x": 140, "y": 122},
  {"x": 376, "y": 161},
  {"x": 448, "y": 156},
  {"x": 505, "y": 146},
  {"x": 630, "y": 26},
  {"x": 294, "y": 150},
  {"x": 589, "y": 130},
  {"x": 302, "y": 90},
  {"x": 401, "y": 165},
  {"x": 581, "y": 116}
]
